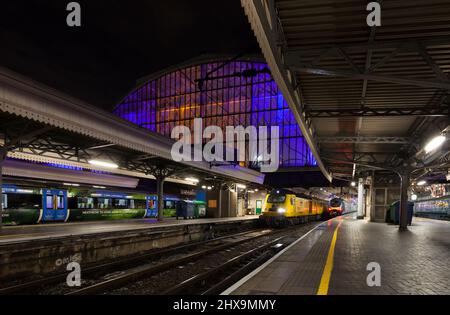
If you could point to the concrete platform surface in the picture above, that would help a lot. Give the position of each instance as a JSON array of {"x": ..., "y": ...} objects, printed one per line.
[
  {"x": 334, "y": 259},
  {"x": 55, "y": 230}
]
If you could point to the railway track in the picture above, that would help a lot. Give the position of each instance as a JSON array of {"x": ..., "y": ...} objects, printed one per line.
[
  {"x": 146, "y": 270},
  {"x": 206, "y": 273},
  {"x": 206, "y": 267},
  {"x": 108, "y": 267},
  {"x": 216, "y": 280}
]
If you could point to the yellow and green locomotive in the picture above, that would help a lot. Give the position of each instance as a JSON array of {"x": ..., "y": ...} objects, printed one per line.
[{"x": 283, "y": 207}]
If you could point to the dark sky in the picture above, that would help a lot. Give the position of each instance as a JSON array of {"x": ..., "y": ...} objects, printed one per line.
[{"x": 119, "y": 41}]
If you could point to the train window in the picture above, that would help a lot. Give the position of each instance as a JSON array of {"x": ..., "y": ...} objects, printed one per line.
[
  {"x": 24, "y": 201},
  {"x": 139, "y": 204},
  {"x": 276, "y": 199},
  {"x": 120, "y": 203},
  {"x": 104, "y": 203},
  {"x": 4, "y": 201},
  {"x": 335, "y": 202},
  {"x": 60, "y": 202},
  {"x": 85, "y": 203},
  {"x": 169, "y": 204},
  {"x": 49, "y": 202},
  {"x": 151, "y": 203},
  {"x": 292, "y": 201}
]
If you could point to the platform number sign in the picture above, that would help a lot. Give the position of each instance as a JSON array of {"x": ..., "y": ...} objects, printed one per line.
[{"x": 374, "y": 277}]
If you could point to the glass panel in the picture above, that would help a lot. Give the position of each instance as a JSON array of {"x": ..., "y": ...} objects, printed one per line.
[
  {"x": 104, "y": 203},
  {"x": 60, "y": 202},
  {"x": 120, "y": 203},
  {"x": 24, "y": 201},
  {"x": 276, "y": 199},
  {"x": 226, "y": 98},
  {"x": 4, "y": 201},
  {"x": 49, "y": 202}
]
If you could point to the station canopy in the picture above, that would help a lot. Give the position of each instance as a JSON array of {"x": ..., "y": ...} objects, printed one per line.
[
  {"x": 43, "y": 126},
  {"x": 368, "y": 97}
]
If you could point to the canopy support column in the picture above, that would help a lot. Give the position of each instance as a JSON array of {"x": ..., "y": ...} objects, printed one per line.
[
  {"x": 3, "y": 152},
  {"x": 405, "y": 177},
  {"x": 160, "y": 192}
]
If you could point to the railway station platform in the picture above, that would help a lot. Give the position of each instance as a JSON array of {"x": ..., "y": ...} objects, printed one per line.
[
  {"x": 334, "y": 257},
  {"x": 20, "y": 233}
]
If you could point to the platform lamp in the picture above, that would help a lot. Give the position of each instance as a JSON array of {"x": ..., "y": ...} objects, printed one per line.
[
  {"x": 436, "y": 142},
  {"x": 105, "y": 164}
]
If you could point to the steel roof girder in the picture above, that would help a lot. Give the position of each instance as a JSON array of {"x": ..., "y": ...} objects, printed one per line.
[
  {"x": 444, "y": 85},
  {"x": 374, "y": 140},
  {"x": 268, "y": 39}
]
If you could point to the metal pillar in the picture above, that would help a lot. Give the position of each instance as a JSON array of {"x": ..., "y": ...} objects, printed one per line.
[
  {"x": 219, "y": 206},
  {"x": 160, "y": 192},
  {"x": 361, "y": 202},
  {"x": 2, "y": 158},
  {"x": 405, "y": 177}
]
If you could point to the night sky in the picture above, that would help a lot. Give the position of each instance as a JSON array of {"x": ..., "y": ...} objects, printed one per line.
[{"x": 118, "y": 43}]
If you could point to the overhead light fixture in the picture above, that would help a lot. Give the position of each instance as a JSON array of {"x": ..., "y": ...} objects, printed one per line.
[
  {"x": 209, "y": 187},
  {"x": 191, "y": 179},
  {"x": 203, "y": 187},
  {"x": 99, "y": 187},
  {"x": 103, "y": 164},
  {"x": 421, "y": 183},
  {"x": 413, "y": 197},
  {"x": 70, "y": 184},
  {"x": 256, "y": 190},
  {"x": 435, "y": 143},
  {"x": 353, "y": 184},
  {"x": 241, "y": 186},
  {"x": 24, "y": 191}
]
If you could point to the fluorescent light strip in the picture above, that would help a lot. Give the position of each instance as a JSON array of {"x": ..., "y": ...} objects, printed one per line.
[
  {"x": 103, "y": 164},
  {"x": 70, "y": 184}
]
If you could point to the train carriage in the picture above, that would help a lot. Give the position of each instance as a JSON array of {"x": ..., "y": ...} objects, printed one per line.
[
  {"x": 336, "y": 207},
  {"x": 24, "y": 205},
  {"x": 283, "y": 207}
]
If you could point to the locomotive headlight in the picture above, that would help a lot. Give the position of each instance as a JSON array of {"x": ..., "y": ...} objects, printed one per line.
[{"x": 281, "y": 210}]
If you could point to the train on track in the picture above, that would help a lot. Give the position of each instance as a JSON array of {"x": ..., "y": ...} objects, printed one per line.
[
  {"x": 284, "y": 207},
  {"x": 31, "y": 205},
  {"x": 336, "y": 207},
  {"x": 433, "y": 208},
  {"x": 24, "y": 205}
]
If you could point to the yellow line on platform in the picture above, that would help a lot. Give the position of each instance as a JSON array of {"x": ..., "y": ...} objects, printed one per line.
[{"x": 326, "y": 275}]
